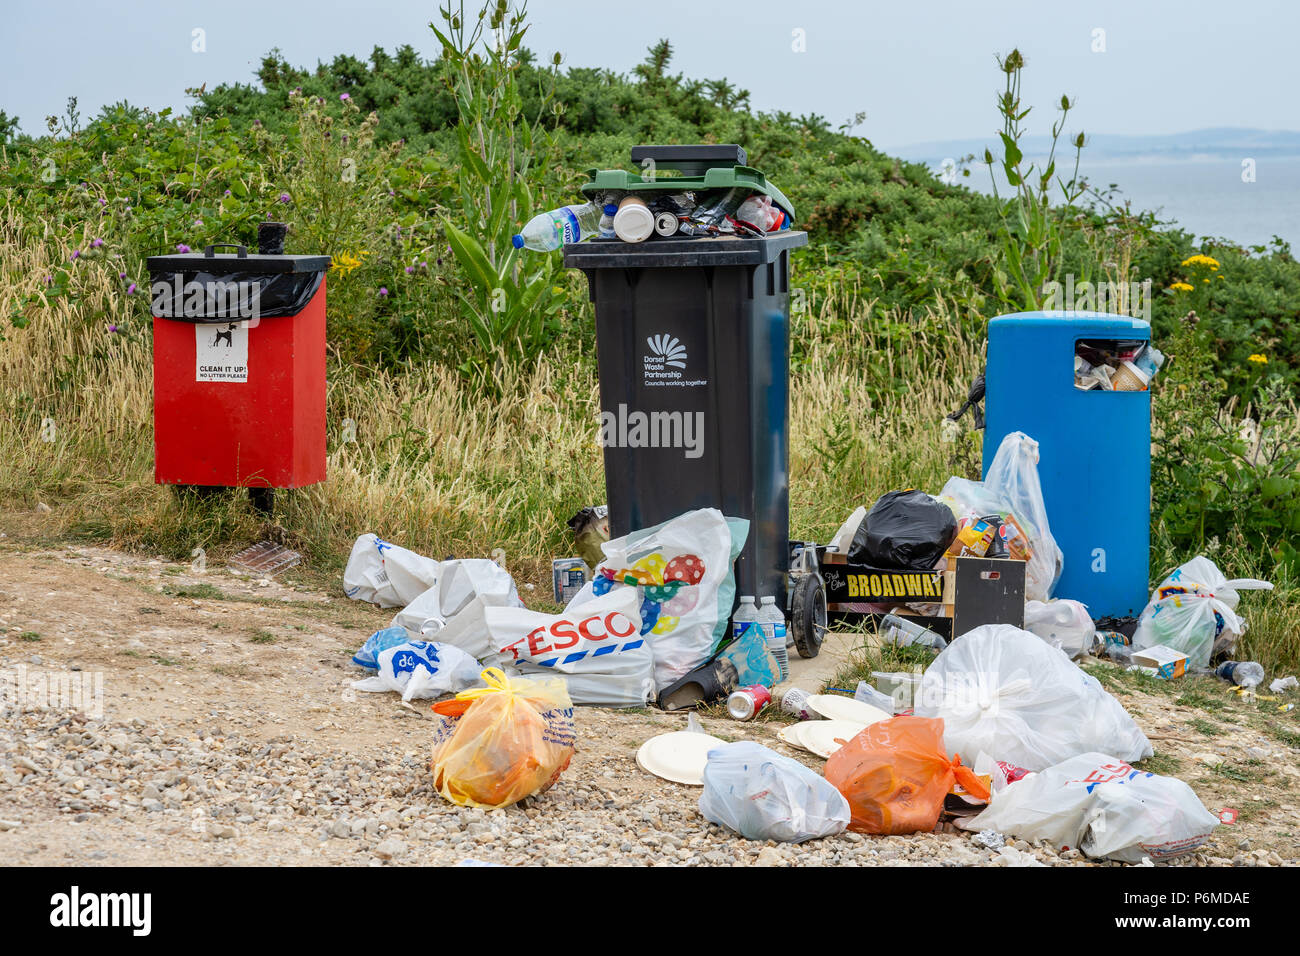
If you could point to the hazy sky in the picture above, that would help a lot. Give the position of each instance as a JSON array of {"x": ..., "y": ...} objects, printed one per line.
[{"x": 920, "y": 70}]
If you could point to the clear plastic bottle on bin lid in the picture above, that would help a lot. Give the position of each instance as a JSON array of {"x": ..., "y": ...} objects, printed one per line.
[
  {"x": 1241, "y": 673},
  {"x": 903, "y": 633},
  {"x": 547, "y": 231},
  {"x": 607, "y": 220},
  {"x": 772, "y": 620}
]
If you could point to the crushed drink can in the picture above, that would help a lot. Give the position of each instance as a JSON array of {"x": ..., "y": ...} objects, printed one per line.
[
  {"x": 568, "y": 575},
  {"x": 795, "y": 701},
  {"x": 746, "y": 702}
]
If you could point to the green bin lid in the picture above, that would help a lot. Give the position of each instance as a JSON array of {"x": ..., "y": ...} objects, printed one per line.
[{"x": 704, "y": 167}]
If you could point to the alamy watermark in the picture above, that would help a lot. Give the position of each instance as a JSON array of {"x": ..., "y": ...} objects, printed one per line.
[
  {"x": 78, "y": 691},
  {"x": 1131, "y": 298},
  {"x": 624, "y": 428}
]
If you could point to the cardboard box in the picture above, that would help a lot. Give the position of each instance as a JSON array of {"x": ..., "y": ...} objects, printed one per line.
[{"x": 1167, "y": 662}]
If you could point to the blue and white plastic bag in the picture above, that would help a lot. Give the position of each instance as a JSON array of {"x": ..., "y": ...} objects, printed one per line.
[
  {"x": 382, "y": 640},
  {"x": 421, "y": 670}
]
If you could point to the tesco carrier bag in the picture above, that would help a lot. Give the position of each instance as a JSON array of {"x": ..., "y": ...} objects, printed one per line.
[
  {"x": 597, "y": 648},
  {"x": 682, "y": 573}
]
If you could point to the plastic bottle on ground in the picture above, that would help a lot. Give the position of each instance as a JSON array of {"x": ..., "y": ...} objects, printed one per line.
[
  {"x": 772, "y": 620},
  {"x": 547, "y": 231},
  {"x": 745, "y": 615},
  {"x": 1241, "y": 673},
  {"x": 902, "y": 633}
]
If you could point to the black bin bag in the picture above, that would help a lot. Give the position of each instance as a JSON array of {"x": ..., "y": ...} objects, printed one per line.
[{"x": 905, "y": 530}]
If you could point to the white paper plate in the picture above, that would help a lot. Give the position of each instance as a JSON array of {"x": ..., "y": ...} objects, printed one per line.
[
  {"x": 679, "y": 756},
  {"x": 836, "y": 707},
  {"x": 819, "y": 735},
  {"x": 790, "y": 734}
]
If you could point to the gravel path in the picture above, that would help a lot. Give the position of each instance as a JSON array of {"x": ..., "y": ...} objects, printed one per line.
[{"x": 229, "y": 736}]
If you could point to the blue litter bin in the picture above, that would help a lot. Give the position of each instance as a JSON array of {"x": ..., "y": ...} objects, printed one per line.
[{"x": 1094, "y": 451}]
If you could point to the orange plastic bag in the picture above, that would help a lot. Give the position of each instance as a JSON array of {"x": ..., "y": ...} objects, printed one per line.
[
  {"x": 895, "y": 775},
  {"x": 495, "y": 745}
]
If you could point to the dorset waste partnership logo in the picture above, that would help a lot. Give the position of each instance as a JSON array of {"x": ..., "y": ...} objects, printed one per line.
[
  {"x": 665, "y": 361},
  {"x": 666, "y": 350}
]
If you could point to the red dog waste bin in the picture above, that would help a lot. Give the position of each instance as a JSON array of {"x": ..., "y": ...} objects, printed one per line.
[{"x": 239, "y": 369}]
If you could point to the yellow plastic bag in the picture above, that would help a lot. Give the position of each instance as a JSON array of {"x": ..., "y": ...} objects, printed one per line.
[{"x": 496, "y": 745}]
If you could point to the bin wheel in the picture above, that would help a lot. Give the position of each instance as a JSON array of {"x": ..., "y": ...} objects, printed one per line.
[{"x": 808, "y": 615}]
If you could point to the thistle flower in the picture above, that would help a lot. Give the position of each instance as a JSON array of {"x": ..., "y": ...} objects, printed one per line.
[
  {"x": 130, "y": 290},
  {"x": 182, "y": 248},
  {"x": 343, "y": 97},
  {"x": 383, "y": 291},
  {"x": 284, "y": 197}
]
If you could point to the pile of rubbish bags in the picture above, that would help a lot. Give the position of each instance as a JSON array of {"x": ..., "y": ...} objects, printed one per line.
[
  {"x": 657, "y": 607},
  {"x": 1007, "y": 735},
  {"x": 1003, "y": 516}
]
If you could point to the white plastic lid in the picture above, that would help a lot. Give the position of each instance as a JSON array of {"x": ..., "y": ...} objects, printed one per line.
[
  {"x": 634, "y": 223},
  {"x": 747, "y": 597},
  {"x": 769, "y": 600}
]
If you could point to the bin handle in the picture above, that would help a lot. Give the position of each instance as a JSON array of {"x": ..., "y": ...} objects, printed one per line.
[{"x": 242, "y": 253}]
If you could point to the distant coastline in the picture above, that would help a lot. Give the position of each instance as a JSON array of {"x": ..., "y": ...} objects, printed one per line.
[{"x": 1239, "y": 184}]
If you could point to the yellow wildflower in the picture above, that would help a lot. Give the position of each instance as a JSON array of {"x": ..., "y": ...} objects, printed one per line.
[
  {"x": 346, "y": 262},
  {"x": 1181, "y": 287},
  {"x": 1259, "y": 359},
  {"x": 1200, "y": 260}
]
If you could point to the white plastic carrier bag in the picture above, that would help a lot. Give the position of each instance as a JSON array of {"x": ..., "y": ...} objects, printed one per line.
[
  {"x": 765, "y": 796},
  {"x": 463, "y": 587},
  {"x": 383, "y": 573},
  {"x": 422, "y": 669},
  {"x": 1007, "y": 693},
  {"x": 1194, "y": 610},
  {"x": 1011, "y": 489},
  {"x": 1103, "y": 807},
  {"x": 1062, "y": 623}
]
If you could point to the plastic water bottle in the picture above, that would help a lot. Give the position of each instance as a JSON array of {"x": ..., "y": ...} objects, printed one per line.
[
  {"x": 903, "y": 633},
  {"x": 772, "y": 619},
  {"x": 745, "y": 615},
  {"x": 607, "y": 220},
  {"x": 1241, "y": 673},
  {"x": 547, "y": 231}
]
